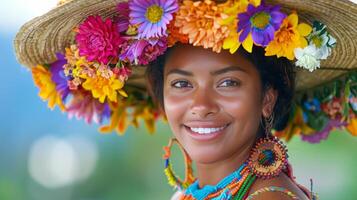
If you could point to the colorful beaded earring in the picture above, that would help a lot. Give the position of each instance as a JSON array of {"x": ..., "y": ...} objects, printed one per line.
[
  {"x": 171, "y": 177},
  {"x": 269, "y": 155}
]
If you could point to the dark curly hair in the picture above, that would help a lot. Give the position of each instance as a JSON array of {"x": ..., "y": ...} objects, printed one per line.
[{"x": 276, "y": 73}]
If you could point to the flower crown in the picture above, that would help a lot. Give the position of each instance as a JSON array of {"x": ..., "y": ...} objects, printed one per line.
[{"x": 88, "y": 80}]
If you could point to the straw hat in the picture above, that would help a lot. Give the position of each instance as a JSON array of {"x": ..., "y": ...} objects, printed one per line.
[{"x": 38, "y": 41}]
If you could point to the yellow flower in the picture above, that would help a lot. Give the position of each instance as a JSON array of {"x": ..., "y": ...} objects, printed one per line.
[
  {"x": 200, "y": 20},
  {"x": 231, "y": 42},
  {"x": 229, "y": 18},
  {"x": 255, "y": 3},
  {"x": 42, "y": 79},
  {"x": 290, "y": 36},
  {"x": 295, "y": 127},
  {"x": 148, "y": 115},
  {"x": 149, "y": 119},
  {"x": 102, "y": 87}
]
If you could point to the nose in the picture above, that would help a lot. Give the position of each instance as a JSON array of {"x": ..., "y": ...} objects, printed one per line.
[{"x": 204, "y": 104}]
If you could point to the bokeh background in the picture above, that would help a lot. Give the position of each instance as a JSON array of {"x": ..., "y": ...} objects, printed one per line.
[{"x": 44, "y": 155}]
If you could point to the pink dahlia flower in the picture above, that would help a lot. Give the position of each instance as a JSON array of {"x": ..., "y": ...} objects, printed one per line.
[{"x": 98, "y": 40}]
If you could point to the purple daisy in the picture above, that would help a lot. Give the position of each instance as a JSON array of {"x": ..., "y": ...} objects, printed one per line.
[
  {"x": 261, "y": 22},
  {"x": 58, "y": 76},
  {"x": 152, "y": 16}
]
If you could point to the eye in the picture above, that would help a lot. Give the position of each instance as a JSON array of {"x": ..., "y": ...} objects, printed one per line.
[
  {"x": 181, "y": 84},
  {"x": 229, "y": 83}
]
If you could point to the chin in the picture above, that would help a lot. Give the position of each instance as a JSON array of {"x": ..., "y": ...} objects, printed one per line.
[
  {"x": 204, "y": 158},
  {"x": 204, "y": 154}
]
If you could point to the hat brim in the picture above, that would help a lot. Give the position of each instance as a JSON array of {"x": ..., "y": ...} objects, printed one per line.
[{"x": 40, "y": 39}]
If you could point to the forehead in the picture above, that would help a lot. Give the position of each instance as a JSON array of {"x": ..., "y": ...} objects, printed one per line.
[{"x": 193, "y": 58}]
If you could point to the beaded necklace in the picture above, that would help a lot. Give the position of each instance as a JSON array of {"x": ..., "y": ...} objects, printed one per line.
[{"x": 234, "y": 186}]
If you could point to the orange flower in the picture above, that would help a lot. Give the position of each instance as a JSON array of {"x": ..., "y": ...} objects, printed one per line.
[
  {"x": 352, "y": 126},
  {"x": 175, "y": 35},
  {"x": 290, "y": 36},
  {"x": 148, "y": 114},
  {"x": 118, "y": 119},
  {"x": 200, "y": 20},
  {"x": 42, "y": 79}
]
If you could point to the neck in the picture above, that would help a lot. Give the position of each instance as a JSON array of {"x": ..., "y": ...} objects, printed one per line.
[{"x": 212, "y": 173}]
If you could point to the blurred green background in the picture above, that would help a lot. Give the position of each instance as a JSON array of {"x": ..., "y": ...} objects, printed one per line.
[{"x": 44, "y": 155}]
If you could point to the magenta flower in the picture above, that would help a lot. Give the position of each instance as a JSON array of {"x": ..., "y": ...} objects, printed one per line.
[
  {"x": 152, "y": 16},
  {"x": 142, "y": 51},
  {"x": 261, "y": 22},
  {"x": 58, "y": 76},
  {"x": 122, "y": 19},
  {"x": 83, "y": 105},
  {"x": 325, "y": 132},
  {"x": 153, "y": 50},
  {"x": 98, "y": 40}
]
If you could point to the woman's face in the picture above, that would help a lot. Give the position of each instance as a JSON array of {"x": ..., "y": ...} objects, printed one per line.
[{"x": 213, "y": 102}]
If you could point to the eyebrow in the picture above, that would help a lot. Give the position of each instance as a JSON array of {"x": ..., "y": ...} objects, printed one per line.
[
  {"x": 179, "y": 71},
  {"x": 228, "y": 69},
  {"x": 218, "y": 72}
]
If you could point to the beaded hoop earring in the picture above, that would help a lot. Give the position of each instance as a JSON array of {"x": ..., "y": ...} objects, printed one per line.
[
  {"x": 269, "y": 155},
  {"x": 173, "y": 180}
]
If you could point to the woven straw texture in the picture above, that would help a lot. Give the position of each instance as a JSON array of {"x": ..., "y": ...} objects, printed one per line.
[{"x": 40, "y": 39}]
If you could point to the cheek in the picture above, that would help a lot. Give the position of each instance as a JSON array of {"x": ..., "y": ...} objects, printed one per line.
[
  {"x": 245, "y": 110},
  {"x": 175, "y": 108},
  {"x": 242, "y": 106}
]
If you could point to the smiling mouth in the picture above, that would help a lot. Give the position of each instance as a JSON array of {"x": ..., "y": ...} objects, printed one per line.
[{"x": 206, "y": 130}]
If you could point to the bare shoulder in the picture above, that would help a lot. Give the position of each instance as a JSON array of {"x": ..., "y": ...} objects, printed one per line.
[{"x": 281, "y": 181}]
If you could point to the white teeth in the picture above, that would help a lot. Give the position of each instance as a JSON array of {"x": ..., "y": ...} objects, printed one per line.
[{"x": 206, "y": 130}]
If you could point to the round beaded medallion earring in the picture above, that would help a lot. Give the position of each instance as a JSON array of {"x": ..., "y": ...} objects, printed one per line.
[{"x": 269, "y": 155}]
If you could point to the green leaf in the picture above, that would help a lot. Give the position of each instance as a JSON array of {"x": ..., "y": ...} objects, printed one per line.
[
  {"x": 47, "y": 66},
  {"x": 317, "y": 121}
]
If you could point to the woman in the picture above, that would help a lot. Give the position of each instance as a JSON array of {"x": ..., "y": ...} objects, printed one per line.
[
  {"x": 227, "y": 96},
  {"x": 221, "y": 72},
  {"x": 227, "y": 100}
]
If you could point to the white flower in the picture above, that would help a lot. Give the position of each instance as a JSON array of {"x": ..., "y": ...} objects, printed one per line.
[
  {"x": 319, "y": 48},
  {"x": 308, "y": 57},
  {"x": 323, "y": 41}
]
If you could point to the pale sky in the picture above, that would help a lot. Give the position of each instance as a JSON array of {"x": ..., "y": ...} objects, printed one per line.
[{"x": 14, "y": 13}]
